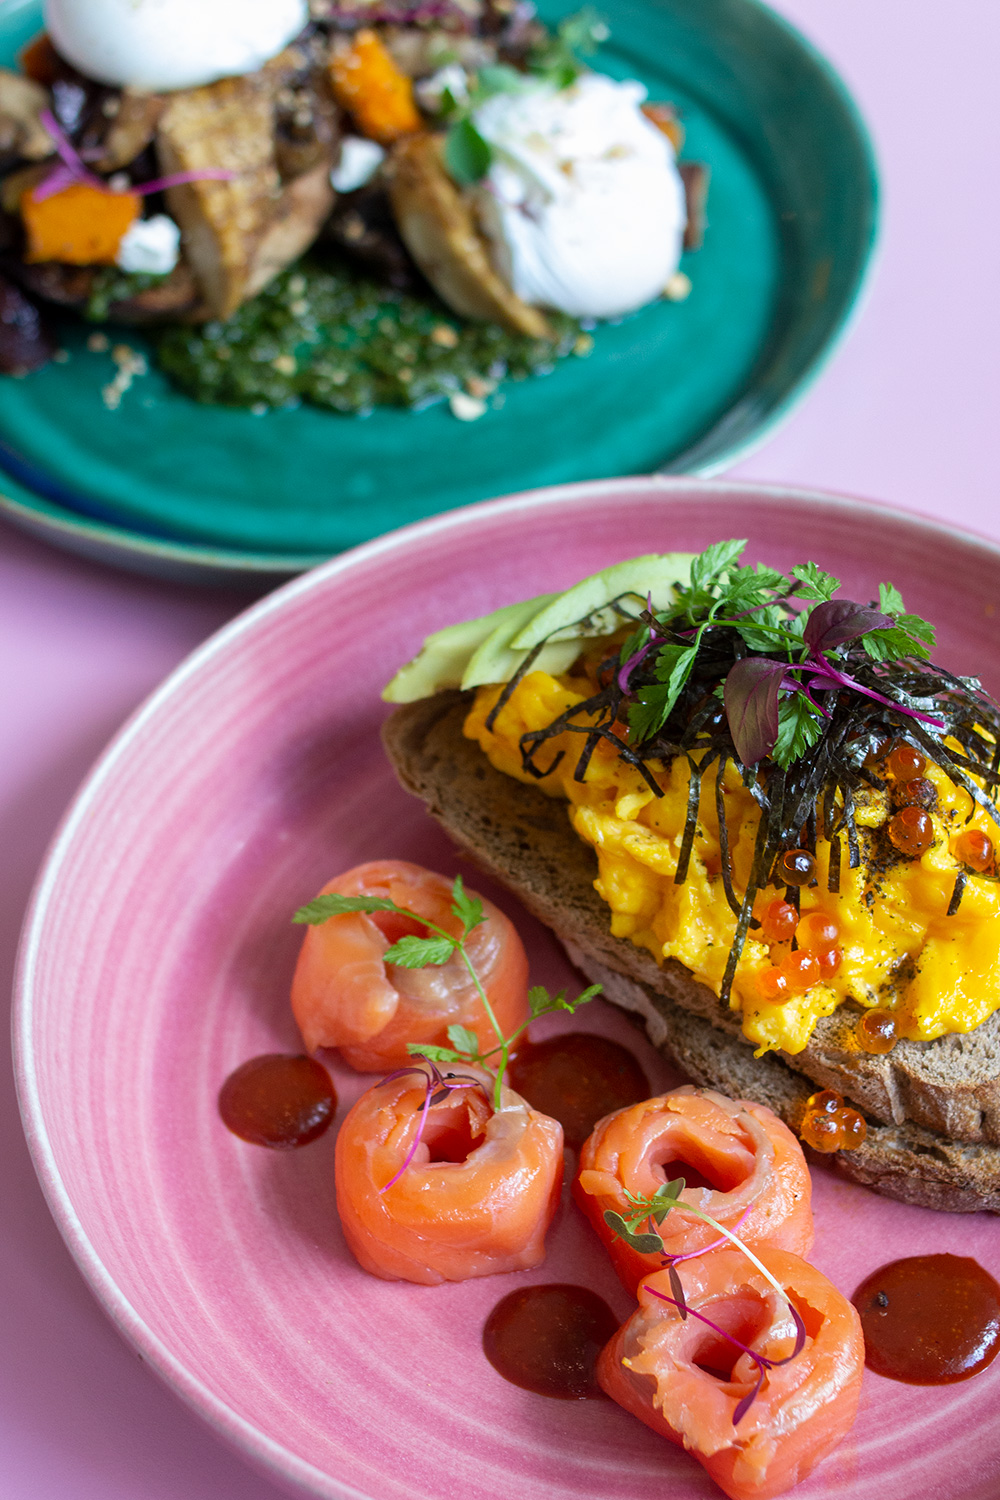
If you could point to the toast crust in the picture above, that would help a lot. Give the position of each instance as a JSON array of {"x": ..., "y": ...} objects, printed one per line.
[{"x": 948, "y": 1089}]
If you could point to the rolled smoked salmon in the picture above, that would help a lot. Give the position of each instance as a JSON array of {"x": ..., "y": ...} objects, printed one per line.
[
  {"x": 344, "y": 994},
  {"x": 477, "y": 1196},
  {"x": 686, "y": 1381},
  {"x": 745, "y": 1168}
]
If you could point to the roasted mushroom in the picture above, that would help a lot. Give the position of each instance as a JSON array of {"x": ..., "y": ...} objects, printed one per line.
[{"x": 438, "y": 226}]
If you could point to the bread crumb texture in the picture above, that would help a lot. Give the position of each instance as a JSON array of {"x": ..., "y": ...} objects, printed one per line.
[{"x": 901, "y": 951}]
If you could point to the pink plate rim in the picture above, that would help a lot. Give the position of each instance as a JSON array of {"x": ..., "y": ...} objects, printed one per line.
[{"x": 283, "y": 1464}]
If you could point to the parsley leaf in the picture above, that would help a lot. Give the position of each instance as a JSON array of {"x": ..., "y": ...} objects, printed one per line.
[
  {"x": 467, "y": 155},
  {"x": 542, "y": 1003},
  {"x": 464, "y": 1040},
  {"x": 799, "y": 728},
  {"x": 815, "y": 584},
  {"x": 334, "y": 905},
  {"x": 416, "y": 952},
  {"x": 468, "y": 909}
]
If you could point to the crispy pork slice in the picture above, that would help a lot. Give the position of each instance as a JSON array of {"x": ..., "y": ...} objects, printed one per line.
[{"x": 239, "y": 233}]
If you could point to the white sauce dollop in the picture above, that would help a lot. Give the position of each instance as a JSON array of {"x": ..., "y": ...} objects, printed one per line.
[
  {"x": 171, "y": 44},
  {"x": 583, "y": 204}
]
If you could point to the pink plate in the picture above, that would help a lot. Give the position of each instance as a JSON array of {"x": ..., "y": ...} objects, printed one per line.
[{"x": 158, "y": 954}]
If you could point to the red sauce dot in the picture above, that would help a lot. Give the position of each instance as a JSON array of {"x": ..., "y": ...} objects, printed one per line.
[
  {"x": 929, "y": 1319},
  {"x": 278, "y": 1101},
  {"x": 546, "y": 1339},
  {"x": 577, "y": 1079}
]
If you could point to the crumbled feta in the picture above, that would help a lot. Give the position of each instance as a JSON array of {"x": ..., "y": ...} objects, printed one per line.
[
  {"x": 359, "y": 161},
  {"x": 451, "y": 79},
  {"x": 150, "y": 245}
]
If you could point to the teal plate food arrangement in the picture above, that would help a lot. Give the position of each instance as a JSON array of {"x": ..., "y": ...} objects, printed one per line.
[{"x": 166, "y": 484}]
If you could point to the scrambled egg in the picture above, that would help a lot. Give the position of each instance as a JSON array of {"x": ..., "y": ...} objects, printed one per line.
[{"x": 901, "y": 952}]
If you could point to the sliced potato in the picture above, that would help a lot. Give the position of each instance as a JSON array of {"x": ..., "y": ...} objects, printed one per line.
[{"x": 437, "y": 223}]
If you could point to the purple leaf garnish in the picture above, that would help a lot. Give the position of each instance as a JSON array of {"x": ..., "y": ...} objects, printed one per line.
[
  {"x": 838, "y": 621},
  {"x": 751, "y": 702},
  {"x": 748, "y": 1400},
  {"x": 678, "y": 1291}
]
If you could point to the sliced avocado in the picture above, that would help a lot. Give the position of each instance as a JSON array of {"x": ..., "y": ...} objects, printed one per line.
[
  {"x": 445, "y": 655},
  {"x": 493, "y": 660},
  {"x": 575, "y": 610}
]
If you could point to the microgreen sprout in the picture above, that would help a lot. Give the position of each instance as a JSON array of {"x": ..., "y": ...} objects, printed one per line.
[
  {"x": 413, "y": 952},
  {"x": 652, "y": 1211}
]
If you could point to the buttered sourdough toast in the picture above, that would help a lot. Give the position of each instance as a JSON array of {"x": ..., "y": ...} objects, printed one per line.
[{"x": 933, "y": 1107}]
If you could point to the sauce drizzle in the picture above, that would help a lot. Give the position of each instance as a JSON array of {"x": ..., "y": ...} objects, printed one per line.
[
  {"x": 546, "y": 1339},
  {"x": 278, "y": 1101},
  {"x": 577, "y": 1078},
  {"x": 929, "y": 1319}
]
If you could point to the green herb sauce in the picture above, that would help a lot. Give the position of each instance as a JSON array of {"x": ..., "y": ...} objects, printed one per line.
[{"x": 323, "y": 334}]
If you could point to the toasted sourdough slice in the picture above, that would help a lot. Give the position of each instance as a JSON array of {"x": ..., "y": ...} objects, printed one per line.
[{"x": 950, "y": 1087}]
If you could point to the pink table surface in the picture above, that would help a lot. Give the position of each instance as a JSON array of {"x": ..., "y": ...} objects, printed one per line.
[{"x": 906, "y": 413}]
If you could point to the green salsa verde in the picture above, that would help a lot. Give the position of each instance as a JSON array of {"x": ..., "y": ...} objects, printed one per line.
[{"x": 323, "y": 334}]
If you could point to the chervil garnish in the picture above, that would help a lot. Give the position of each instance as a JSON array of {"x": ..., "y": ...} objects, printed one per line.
[{"x": 412, "y": 952}]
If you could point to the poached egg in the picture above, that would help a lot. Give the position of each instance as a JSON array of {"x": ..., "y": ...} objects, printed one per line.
[
  {"x": 171, "y": 44},
  {"x": 583, "y": 205}
]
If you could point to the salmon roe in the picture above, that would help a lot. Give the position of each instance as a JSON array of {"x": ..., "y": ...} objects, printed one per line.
[
  {"x": 974, "y": 849},
  {"x": 905, "y": 763},
  {"x": 795, "y": 867},
  {"x": 779, "y": 922},
  {"x": 876, "y": 1031},
  {"x": 911, "y": 831},
  {"x": 829, "y": 960},
  {"x": 830, "y": 1125},
  {"x": 821, "y": 1132},
  {"x": 817, "y": 930},
  {"x": 916, "y": 793},
  {"x": 826, "y": 1102},
  {"x": 801, "y": 969},
  {"x": 774, "y": 986}
]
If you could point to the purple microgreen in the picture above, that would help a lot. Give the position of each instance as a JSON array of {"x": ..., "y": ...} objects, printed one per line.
[
  {"x": 418, "y": 1133},
  {"x": 837, "y": 621},
  {"x": 743, "y": 1406},
  {"x": 678, "y": 1291},
  {"x": 751, "y": 701},
  {"x": 715, "y": 1245},
  {"x": 761, "y": 1361},
  {"x": 646, "y": 1244}
]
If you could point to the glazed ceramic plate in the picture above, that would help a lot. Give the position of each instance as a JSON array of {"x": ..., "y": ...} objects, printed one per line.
[
  {"x": 158, "y": 955},
  {"x": 679, "y": 386}
]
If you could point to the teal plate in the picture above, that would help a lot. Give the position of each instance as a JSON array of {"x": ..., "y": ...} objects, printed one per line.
[{"x": 679, "y": 387}]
